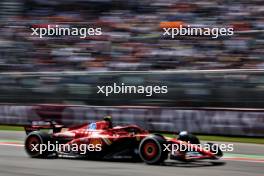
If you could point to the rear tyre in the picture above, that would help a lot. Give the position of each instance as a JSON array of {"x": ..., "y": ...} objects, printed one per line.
[
  {"x": 151, "y": 150},
  {"x": 33, "y": 142}
]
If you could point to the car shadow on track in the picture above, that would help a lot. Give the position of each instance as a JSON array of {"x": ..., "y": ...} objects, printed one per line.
[
  {"x": 167, "y": 163},
  {"x": 193, "y": 164}
]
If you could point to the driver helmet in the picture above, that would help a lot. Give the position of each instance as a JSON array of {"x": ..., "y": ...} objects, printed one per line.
[{"x": 108, "y": 118}]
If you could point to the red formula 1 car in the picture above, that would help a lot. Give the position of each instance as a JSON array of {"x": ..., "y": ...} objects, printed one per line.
[{"x": 121, "y": 142}]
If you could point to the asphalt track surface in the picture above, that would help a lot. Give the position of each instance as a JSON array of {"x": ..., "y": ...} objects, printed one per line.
[{"x": 15, "y": 162}]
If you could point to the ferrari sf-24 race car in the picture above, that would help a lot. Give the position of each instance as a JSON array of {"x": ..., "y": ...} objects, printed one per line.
[{"x": 120, "y": 142}]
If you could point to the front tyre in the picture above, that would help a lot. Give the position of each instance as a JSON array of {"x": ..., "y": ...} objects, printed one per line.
[
  {"x": 151, "y": 150},
  {"x": 188, "y": 137}
]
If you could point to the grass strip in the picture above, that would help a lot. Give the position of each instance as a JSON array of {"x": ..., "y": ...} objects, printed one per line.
[{"x": 11, "y": 128}]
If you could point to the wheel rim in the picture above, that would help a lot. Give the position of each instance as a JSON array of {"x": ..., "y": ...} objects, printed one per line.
[
  {"x": 150, "y": 150},
  {"x": 33, "y": 141}
]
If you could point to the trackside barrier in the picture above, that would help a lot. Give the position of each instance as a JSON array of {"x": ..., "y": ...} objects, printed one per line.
[{"x": 204, "y": 121}]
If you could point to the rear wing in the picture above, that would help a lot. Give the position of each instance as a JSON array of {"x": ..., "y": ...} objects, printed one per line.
[{"x": 39, "y": 125}]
